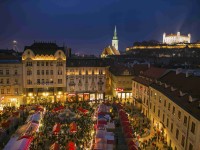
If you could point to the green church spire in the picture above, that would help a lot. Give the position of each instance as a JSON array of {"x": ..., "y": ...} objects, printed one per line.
[{"x": 115, "y": 34}]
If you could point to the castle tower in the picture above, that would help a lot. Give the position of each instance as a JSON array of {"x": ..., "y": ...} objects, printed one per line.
[{"x": 115, "y": 39}]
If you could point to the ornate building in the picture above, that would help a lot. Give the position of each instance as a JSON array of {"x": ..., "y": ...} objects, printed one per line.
[
  {"x": 44, "y": 67},
  {"x": 112, "y": 50},
  {"x": 176, "y": 38},
  {"x": 11, "y": 93},
  {"x": 86, "y": 79}
]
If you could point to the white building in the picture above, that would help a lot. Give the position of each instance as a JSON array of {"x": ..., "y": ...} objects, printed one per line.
[
  {"x": 44, "y": 67},
  {"x": 176, "y": 38}
]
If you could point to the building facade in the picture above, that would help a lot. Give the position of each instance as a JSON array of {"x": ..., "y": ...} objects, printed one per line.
[
  {"x": 86, "y": 79},
  {"x": 173, "y": 106},
  {"x": 176, "y": 38},
  {"x": 44, "y": 67},
  {"x": 11, "y": 93}
]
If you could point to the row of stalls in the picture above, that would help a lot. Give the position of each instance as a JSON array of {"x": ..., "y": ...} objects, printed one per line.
[
  {"x": 104, "y": 138},
  {"x": 127, "y": 128},
  {"x": 24, "y": 135}
]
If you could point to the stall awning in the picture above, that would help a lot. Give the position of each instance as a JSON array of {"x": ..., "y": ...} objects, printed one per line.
[
  {"x": 55, "y": 146},
  {"x": 73, "y": 127},
  {"x": 56, "y": 128},
  {"x": 71, "y": 146}
]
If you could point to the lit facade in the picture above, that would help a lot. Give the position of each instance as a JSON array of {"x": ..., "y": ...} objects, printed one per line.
[
  {"x": 173, "y": 111},
  {"x": 11, "y": 93},
  {"x": 176, "y": 38},
  {"x": 44, "y": 67},
  {"x": 121, "y": 79},
  {"x": 86, "y": 79}
]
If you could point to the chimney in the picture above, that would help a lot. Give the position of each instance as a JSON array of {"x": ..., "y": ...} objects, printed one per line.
[
  {"x": 178, "y": 70},
  {"x": 172, "y": 88},
  {"x": 149, "y": 65}
]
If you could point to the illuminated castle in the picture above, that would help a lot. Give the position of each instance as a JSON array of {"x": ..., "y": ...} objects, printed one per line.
[{"x": 176, "y": 38}]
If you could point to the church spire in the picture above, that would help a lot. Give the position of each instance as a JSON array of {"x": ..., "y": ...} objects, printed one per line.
[
  {"x": 115, "y": 34},
  {"x": 115, "y": 39}
]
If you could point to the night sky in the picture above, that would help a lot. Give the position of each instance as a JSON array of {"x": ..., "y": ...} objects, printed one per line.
[{"x": 87, "y": 25}]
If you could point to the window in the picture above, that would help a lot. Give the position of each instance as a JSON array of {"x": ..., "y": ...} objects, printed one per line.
[
  {"x": 16, "y": 81},
  {"x": 179, "y": 115},
  {"x": 159, "y": 113},
  {"x": 92, "y": 72},
  {"x": 154, "y": 108},
  {"x": 7, "y": 72},
  {"x": 38, "y": 81},
  {"x": 42, "y": 81},
  {"x": 8, "y": 91},
  {"x": 29, "y": 82},
  {"x": 1, "y": 72},
  {"x": 29, "y": 63},
  {"x": 51, "y": 72},
  {"x": 1, "y": 81},
  {"x": 193, "y": 128},
  {"x": 100, "y": 72},
  {"x": 29, "y": 72},
  {"x": 160, "y": 99},
  {"x": 165, "y": 103},
  {"x": 59, "y": 72},
  {"x": 2, "y": 91},
  {"x": 167, "y": 122},
  {"x": 163, "y": 119},
  {"x": 51, "y": 64},
  {"x": 59, "y": 63},
  {"x": 59, "y": 81},
  {"x": 173, "y": 111},
  {"x": 7, "y": 81},
  {"x": 38, "y": 63},
  {"x": 177, "y": 133},
  {"x": 42, "y": 72},
  {"x": 185, "y": 120},
  {"x": 190, "y": 147},
  {"x": 169, "y": 106},
  {"x": 183, "y": 141},
  {"x": 86, "y": 72},
  {"x": 79, "y": 72},
  {"x": 172, "y": 126},
  {"x": 16, "y": 91},
  {"x": 47, "y": 72},
  {"x": 42, "y": 63},
  {"x": 15, "y": 72},
  {"x": 47, "y": 63},
  {"x": 38, "y": 72}
]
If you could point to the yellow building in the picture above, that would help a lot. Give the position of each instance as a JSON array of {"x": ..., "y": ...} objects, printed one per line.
[
  {"x": 174, "y": 107},
  {"x": 10, "y": 79},
  {"x": 121, "y": 80},
  {"x": 44, "y": 67}
]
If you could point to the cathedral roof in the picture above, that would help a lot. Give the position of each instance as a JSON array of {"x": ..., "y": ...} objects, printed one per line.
[
  {"x": 44, "y": 48},
  {"x": 110, "y": 50}
]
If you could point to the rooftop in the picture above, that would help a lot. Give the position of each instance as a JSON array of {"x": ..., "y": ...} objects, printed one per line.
[
  {"x": 45, "y": 48},
  {"x": 85, "y": 62}
]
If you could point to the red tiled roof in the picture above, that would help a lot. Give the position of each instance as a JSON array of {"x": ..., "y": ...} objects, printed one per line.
[{"x": 154, "y": 73}]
